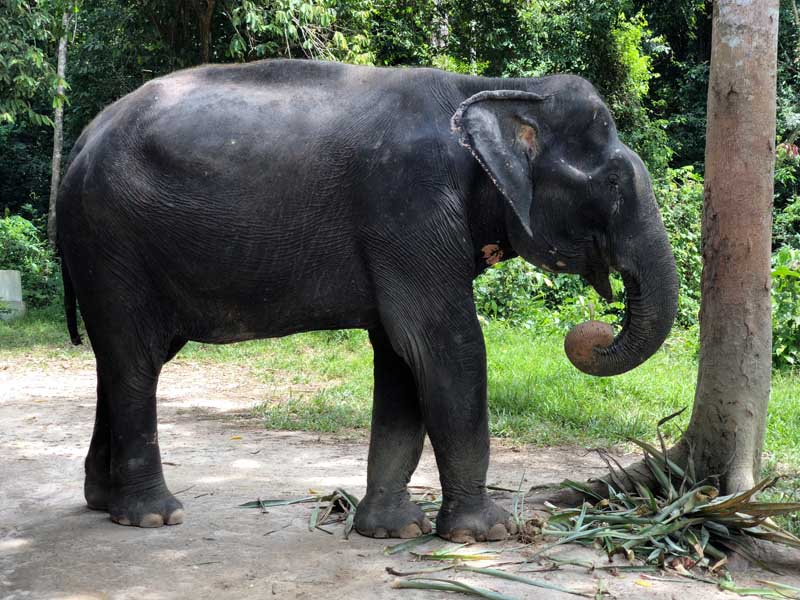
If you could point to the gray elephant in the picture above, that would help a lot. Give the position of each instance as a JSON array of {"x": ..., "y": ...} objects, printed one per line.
[{"x": 228, "y": 203}]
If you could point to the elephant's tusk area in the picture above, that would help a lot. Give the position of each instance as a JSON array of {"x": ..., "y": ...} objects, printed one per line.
[{"x": 581, "y": 342}]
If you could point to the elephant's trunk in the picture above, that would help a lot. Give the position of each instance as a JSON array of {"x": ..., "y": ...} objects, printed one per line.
[{"x": 651, "y": 285}]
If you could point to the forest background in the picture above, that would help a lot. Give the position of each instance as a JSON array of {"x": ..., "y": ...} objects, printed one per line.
[{"x": 649, "y": 59}]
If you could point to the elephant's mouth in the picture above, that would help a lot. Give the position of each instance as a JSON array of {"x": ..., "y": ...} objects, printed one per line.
[
  {"x": 598, "y": 277},
  {"x": 597, "y": 271}
]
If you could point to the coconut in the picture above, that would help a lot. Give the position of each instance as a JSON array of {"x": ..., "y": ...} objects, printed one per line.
[{"x": 583, "y": 339}]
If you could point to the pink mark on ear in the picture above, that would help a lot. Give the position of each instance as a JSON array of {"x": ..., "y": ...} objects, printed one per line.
[
  {"x": 527, "y": 135},
  {"x": 492, "y": 254}
]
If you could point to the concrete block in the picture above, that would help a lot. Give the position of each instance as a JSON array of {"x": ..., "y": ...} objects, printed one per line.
[{"x": 11, "y": 304}]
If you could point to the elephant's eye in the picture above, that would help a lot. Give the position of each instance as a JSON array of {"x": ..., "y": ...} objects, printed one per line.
[{"x": 613, "y": 179}]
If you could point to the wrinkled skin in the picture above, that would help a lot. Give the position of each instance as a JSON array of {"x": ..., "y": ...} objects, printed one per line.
[{"x": 227, "y": 203}]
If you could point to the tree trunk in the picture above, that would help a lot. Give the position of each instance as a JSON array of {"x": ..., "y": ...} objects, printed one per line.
[
  {"x": 206, "y": 14},
  {"x": 726, "y": 432},
  {"x": 58, "y": 130},
  {"x": 440, "y": 31}
]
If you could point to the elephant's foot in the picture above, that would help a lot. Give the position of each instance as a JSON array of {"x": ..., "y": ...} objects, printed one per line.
[
  {"x": 97, "y": 493},
  {"x": 97, "y": 483},
  {"x": 151, "y": 508},
  {"x": 474, "y": 520},
  {"x": 378, "y": 516}
]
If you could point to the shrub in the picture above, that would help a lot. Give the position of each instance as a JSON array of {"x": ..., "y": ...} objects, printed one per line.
[
  {"x": 517, "y": 292},
  {"x": 510, "y": 291},
  {"x": 786, "y": 307},
  {"x": 680, "y": 198},
  {"x": 23, "y": 249},
  {"x": 786, "y": 227}
]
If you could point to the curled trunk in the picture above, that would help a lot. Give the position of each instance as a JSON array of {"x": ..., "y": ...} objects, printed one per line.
[{"x": 651, "y": 286}]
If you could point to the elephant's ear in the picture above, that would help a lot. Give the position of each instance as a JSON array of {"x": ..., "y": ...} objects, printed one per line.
[{"x": 500, "y": 130}]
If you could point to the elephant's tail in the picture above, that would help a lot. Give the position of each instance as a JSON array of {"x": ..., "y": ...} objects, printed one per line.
[{"x": 70, "y": 305}]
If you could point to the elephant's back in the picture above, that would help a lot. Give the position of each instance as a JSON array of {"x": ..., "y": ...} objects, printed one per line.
[
  {"x": 255, "y": 171},
  {"x": 260, "y": 137},
  {"x": 223, "y": 184}
]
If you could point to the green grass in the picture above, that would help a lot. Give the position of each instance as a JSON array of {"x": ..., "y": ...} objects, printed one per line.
[
  {"x": 41, "y": 335},
  {"x": 323, "y": 380},
  {"x": 43, "y": 328},
  {"x": 537, "y": 396},
  {"x": 336, "y": 365}
]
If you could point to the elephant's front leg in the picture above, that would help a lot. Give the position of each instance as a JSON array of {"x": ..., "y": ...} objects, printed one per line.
[
  {"x": 445, "y": 349},
  {"x": 395, "y": 446},
  {"x": 452, "y": 367}
]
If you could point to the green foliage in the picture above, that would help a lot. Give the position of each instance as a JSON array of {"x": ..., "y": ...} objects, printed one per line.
[
  {"x": 644, "y": 133},
  {"x": 25, "y": 32},
  {"x": 23, "y": 250},
  {"x": 25, "y": 164},
  {"x": 677, "y": 96},
  {"x": 454, "y": 65},
  {"x": 404, "y": 33},
  {"x": 27, "y": 73},
  {"x": 482, "y": 31},
  {"x": 789, "y": 72},
  {"x": 516, "y": 292},
  {"x": 511, "y": 291},
  {"x": 680, "y": 199},
  {"x": 786, "y": 308},
  {"x": 322, "y": 29},
  {"x": 786, "y": 211},
  {"x": 681, "y": 102},
  {"x": 114, "y": 50}
]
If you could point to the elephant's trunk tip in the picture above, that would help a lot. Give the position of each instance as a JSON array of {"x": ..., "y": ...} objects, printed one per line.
[{"x": 581, "y": 344}]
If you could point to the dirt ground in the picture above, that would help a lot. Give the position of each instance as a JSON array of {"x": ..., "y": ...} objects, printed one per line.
[{"x": 217, "y": 456}]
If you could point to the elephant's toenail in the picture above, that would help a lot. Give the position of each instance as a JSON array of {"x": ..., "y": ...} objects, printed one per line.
[
  {"x": 511, "y": 526},
  {"x": 151, "y": 520},
  {"x": 380, "y": 533},
  {"x": 427, "y": 527},
  {"x": 176, "y": 518},
  {"x": 497, "y": 533},
  {"x": 411, "y": 530},
  {"x": 461, "y": 536},
  {"x": 121, "y": 520}
]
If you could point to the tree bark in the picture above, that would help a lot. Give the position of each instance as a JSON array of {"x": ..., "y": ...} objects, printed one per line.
[
  {"x": 440, "y": 31},
  {"x": 726, "y": 431},
  {"x": 206, "y": 15},
  {"x": 58, "y": 130}
]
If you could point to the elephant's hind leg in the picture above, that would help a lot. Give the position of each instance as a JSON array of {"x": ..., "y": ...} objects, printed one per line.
[
  {"x": 395, "y": 447},
  {"x": 97, "y": 484},
  {"x": 131, "y": 341},
  {"x": 139, "y": 495}
]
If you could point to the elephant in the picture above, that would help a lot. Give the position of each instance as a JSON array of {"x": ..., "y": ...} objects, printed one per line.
[{"x": 232, "y": 202}]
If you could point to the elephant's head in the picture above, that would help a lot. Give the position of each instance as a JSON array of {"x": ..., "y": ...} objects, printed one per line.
[{"x": 578, "y": 201}]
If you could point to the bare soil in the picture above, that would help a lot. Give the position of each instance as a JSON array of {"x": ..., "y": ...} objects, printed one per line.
[{"x": 216, "y": 456}]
